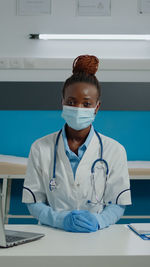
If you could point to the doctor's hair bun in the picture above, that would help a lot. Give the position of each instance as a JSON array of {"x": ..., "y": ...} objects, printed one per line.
[
  {"x": 86, "y": 64},
  {"x": 84, "y": 69}
]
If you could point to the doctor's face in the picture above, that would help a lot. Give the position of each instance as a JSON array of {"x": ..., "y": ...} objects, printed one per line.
[{"x": 82, "y": 95}]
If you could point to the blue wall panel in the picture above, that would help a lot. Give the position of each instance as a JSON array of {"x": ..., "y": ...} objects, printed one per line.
[{"x": 19, "y": 129}]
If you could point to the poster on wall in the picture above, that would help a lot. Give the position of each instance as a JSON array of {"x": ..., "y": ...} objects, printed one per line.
[
  {"x": 144, "y": 6},
  {"x": 33, "y": 7},
  {"x": 93, "y": 7}
]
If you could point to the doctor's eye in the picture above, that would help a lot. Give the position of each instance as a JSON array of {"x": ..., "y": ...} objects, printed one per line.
[
  {"x": 87, "y": 104},
  {"x": 70, "y": 103}
]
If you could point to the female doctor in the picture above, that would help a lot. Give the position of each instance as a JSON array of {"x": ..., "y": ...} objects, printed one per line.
[{"x": 77, "y": 179}]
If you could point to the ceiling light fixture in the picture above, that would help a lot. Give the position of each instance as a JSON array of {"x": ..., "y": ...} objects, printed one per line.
[{"x": 118, "y": 37}]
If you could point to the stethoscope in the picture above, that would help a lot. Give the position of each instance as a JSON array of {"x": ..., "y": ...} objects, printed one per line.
[{"x": 53, "y": 185}]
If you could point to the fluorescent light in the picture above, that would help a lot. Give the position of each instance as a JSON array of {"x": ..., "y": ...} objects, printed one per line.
[{"x": 131, "y": 37}]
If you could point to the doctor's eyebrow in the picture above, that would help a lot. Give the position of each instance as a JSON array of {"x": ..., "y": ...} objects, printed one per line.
[{"x": 85, "y": 98}]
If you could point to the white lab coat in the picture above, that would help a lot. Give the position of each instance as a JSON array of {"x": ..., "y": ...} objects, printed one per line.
[{"x": 73, "y": 193}]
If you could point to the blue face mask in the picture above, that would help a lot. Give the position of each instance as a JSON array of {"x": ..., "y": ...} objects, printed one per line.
[{"x": 78, "y": 118}]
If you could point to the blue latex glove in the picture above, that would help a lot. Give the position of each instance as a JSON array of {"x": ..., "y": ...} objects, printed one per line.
[
  {"x": 80, "y": 221},
  {"x": 110, "y": 215},
  {"x": 46, "y": 215}
]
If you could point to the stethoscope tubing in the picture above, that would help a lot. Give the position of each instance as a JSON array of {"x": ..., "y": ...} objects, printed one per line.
[
  {"x": 52, "y": 183},
  {"x": 93, "y": 165},
  {"x": 55, "y": 153},
  {"x": 101, "y": 160}
]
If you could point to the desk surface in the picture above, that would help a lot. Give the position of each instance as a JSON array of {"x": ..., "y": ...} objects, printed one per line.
[{"x": 114, "y": 246}]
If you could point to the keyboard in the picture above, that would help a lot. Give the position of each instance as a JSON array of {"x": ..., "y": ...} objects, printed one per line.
[{"x": 10, "y": 238}]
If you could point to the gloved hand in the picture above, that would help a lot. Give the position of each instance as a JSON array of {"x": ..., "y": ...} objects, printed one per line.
[{"x": 80, "y": 221}]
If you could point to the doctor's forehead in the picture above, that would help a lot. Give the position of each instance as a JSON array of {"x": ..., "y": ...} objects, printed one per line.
[{"x": 81, "y": 89}]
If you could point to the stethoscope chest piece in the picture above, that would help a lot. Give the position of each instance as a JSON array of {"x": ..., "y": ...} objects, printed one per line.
[{"x": 52, "y": 184}]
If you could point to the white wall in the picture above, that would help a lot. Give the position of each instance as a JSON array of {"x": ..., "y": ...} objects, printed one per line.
[{"x": 124, "y": 18}]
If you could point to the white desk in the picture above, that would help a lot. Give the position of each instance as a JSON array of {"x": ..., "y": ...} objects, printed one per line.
[
  {"x": 115, "y": 246},
  {"x": 11, "y": 167}
]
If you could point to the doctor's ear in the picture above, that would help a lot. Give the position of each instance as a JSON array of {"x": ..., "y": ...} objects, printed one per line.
[
  {"x": 62, "y": 101},
  {"x": 97, "y": 106}
]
